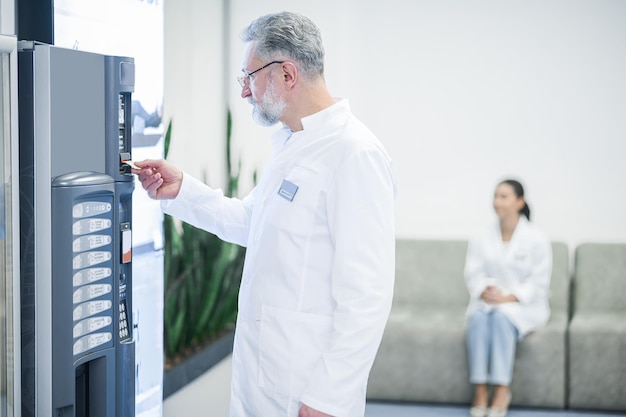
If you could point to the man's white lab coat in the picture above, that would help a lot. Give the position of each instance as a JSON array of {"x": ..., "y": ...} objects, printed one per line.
[
  {"x": 318, "y": 276},
  {"x": 522, "y": 267}
]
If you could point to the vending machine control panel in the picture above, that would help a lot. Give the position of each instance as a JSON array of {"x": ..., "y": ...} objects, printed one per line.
[
  {"x": 92, "y": 297},
  {"x": 126, "y": 258}
]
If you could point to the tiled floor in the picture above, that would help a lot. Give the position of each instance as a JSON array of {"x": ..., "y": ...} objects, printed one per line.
[{"x": 409, "y": 410}]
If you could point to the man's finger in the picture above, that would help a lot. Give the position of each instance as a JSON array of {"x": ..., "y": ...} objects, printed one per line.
[{"x": 154, "y": 187}]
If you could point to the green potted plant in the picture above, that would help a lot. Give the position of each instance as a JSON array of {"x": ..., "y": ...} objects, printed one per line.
[{"x": 202, "y": 277}]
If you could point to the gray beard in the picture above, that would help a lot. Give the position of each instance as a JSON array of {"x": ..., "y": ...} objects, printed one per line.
[{"x": 269, "y": 112}]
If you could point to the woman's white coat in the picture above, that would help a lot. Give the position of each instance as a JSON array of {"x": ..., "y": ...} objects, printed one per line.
[{"x": 522, "y": 267}]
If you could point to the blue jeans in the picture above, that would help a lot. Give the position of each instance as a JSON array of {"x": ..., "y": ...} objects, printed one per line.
[{"x": 491, "y": 343}]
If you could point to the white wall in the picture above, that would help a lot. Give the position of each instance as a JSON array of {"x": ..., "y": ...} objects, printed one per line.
[
  {"x": 461, "y": 93},
  {"x": 195, "y": 96}
]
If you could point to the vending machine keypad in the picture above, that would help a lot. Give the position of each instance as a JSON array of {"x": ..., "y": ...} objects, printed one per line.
[
  {"x": 125, "y": 259},
  {"x": 124, "y": 330}
]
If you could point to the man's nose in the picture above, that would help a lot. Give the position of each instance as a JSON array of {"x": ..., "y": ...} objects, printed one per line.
[{"x": 245, "y": 91}]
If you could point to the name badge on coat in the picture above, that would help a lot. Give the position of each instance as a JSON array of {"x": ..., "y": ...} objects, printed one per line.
[{"x": 287, "y": 190}]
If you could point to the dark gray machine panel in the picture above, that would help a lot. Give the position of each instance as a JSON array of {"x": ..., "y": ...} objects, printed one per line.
[{"x": 77, "y": 111}]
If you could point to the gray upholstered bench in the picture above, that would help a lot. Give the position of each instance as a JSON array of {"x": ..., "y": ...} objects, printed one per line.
[
  {"x": 597, "y": 335},
  {"x": 423, "y": 357}
]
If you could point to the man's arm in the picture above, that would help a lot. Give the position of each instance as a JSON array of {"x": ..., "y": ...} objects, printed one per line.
[{"x": 194, "y": 202}]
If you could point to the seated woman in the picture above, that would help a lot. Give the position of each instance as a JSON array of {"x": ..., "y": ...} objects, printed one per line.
[{"x": 507, "y": 273}]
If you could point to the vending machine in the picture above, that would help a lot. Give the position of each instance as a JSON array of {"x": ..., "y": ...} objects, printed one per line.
[{"x": 78, "y": 347}]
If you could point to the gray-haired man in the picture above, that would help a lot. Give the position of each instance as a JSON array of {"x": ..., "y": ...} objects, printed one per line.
[{"x": 318, "y": 278}]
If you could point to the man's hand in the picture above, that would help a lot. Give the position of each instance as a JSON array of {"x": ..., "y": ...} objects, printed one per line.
[
  {"x": 159, "y": 178},
  {"x": 306, "y": 411}
]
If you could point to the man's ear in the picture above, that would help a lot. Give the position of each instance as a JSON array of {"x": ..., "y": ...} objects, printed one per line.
[{"x": 290, "y": 74}]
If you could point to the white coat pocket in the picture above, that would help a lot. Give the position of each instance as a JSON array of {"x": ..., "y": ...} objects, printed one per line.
[{"x": 291, "y": 344}]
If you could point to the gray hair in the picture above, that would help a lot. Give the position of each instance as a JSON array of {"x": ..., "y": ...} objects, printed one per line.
[{"x": 289, "y": 34}]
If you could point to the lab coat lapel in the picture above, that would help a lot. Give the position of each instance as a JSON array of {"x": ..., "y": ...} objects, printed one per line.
[{"x": 507, "y": 256}]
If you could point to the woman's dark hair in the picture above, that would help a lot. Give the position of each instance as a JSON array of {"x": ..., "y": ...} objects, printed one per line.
[{"x": 519, "y": 192}]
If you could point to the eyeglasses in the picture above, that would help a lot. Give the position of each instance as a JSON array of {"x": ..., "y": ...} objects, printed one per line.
[{"x": 246, "y": 75}]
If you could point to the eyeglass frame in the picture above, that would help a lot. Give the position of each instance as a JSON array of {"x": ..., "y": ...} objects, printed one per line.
[{"x": 241, "y": 79}]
